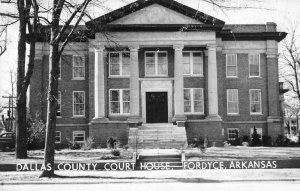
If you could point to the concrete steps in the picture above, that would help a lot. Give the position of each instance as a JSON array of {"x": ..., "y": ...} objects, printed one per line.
[
  {"x": 157, "y": 136},
  {"x": 159, "y": 162}
]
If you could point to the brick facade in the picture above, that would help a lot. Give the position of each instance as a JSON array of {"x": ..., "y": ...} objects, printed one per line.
[{"x": 197, "y": 125}]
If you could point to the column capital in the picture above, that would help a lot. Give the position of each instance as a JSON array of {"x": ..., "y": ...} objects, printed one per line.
[
  {"x": 134, "y": 47},
  {"x": 211, "y": 47},
  {"x": 99, "y": 48},
  {"x": 178, "y": 47}
]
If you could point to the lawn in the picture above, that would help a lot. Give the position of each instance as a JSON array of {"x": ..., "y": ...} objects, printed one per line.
[
  {"x": 212, "y": 153},
  {"x": 67, "y": 155}
]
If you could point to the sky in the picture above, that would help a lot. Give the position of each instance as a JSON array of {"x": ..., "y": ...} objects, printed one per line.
[{"x": 283, "y": 12}]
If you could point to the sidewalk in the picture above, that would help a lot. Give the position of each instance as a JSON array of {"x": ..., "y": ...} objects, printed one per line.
[{"x": 180, "y": 176}]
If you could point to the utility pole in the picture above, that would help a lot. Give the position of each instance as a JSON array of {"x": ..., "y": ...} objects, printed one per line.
[{"x": 10, "y": 107}]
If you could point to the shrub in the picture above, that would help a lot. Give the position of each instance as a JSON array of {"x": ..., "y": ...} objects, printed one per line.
[
  {"x": 282, "y": 141},
  {"x": 88, "y": 144},
  {"x": 36, "y": 134},
  {"x": 255, "y": 138},
  {"x": 73, "y": 145},
  {"x": 267, "y": 140},
  {"x": 245, "y": 138},
  {"x": 112, "y": 143},
  {"x": 115, "y": 152}
]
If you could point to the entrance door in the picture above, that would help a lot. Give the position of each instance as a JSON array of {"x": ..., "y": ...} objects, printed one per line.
[{"x": 156, "y": 107}]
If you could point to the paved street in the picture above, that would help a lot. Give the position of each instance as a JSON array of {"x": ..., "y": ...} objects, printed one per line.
[{"x": 274, "y": 186}]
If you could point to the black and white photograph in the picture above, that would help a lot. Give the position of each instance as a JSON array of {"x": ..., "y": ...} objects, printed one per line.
[{"x": 149, "y": 95}]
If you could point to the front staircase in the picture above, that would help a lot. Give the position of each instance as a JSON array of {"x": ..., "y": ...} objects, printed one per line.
[{"x": 157, "y": 136}]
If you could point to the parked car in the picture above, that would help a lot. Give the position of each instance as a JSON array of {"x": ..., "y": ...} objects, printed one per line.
[{"x": 7, "y": 141}]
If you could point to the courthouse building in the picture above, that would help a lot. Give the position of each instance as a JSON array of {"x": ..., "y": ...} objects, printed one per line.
[{"x": 160, "y": 64}]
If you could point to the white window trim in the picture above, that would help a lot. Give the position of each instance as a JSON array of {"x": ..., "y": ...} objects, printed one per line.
[
  {"x": 83, "y": 104},
  {"x": 255, "y": 113},
  {"x": 236, "y": 68},
  {"x": 59, "y": 136},
  {"x": 73, "y": 63},
  {"x": 259, "y": 76},
  {"x": 59, "y": 93},
  {"x": 156, "y": 64},
  {"x": 120, "y": 63},
  {"x": 227, "y": 93},
  {"x": 121, "y": 103},
  {"x": 83, "y": 132},
  {"x": 192, "y": 101},
  {"x": 192, "y": 64},
  {"x": 230, "y": 128}
]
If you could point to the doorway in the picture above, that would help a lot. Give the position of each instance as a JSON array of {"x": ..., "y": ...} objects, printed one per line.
[{"x": 156, "y": 107}]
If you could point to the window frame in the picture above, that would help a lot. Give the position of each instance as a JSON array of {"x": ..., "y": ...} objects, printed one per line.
[
  {"x": 58, "y": 136},
  {"x": 227, "y": 97},
  {"x": 259, "y": 75},
  {"x": 193, "y": 100},
  {"x": 156, "y": 64},
  {"x": 77, "y": 103},
  {"x": 78, "y": 132},
  {"x": 191, "y": 73},
  {"x": 236, "y": 66},
  {"x": 73, "y": 67},
  {"x": 120, "y": 64},
  {"x": 232, "y": 129},
  {"x": 59, "y": 104},
  {"x": 255, "y": 113},
  {"x": 120, "y": 101}
]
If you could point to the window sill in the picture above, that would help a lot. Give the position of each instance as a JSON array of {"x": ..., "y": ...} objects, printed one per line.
[
  {"x": 78, "y": 117},
  {"x": 194, "y": 113},
  {"x": 229, "y": 114},
  {"x": 157, "y": 76},
  {"x": 118, "y": 76},
  {"x": 78, "y": 79},
  {"x": 256, "y": 114},
  {"x": 119, "y": 115},
  {"x": 191, "y": 75},
  {"x": 255, "y": 77},
  {"x": 59, "y": 117}
]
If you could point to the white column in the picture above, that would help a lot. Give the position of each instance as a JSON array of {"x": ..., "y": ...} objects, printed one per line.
[
  {"x": 99, "y": 84},
  {"x": 134, "y": 84},
  {"x": 212, "y": 83},
  {"x": 178, "y": 84}
]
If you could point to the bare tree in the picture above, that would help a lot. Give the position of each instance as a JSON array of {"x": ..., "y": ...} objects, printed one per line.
[{"x": 3, "y": 40}]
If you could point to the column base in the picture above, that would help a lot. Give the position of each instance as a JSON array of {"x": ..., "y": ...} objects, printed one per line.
[
  {"x": 134, "y": 121},
  {"x": 213, "y": 118},
  {"x": 99, "y": 119},
  {"x": 179, "y": 120}
]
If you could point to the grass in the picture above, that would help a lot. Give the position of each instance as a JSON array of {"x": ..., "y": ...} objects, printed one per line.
[
  {"x": 66, "y": 155},
  {"x": 244, "y": 153}
]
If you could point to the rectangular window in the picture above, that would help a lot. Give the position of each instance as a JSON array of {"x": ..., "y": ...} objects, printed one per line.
[
  {"x": 79, "y": 136},
  {"x": 255, "y": 101},
  {"x": 78, "y": 67},
  {"x": 231, "y": 65},
  {"x": 192, "y": 63},
  {"x": 119, "y": 63},
  {"x": 119, "y": 101},
  {"x": 232, "y": 101},
  {"x": 254, "y": 65},
  {"x": 233, "y": 133},
  {"x": 193, "y": 100},
  {"x": 58, "y": 113},
  {"x": 57, "y": 137},
  {"x": 156, "y": 63},
  {"x": 78, "y": 103}
]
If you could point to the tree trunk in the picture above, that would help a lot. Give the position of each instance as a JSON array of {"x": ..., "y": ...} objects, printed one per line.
[
  {"x": 21, "y": 150},
  {"x": 52, "y": 98}
]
